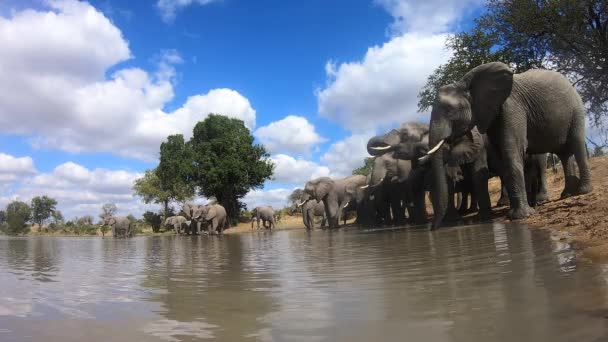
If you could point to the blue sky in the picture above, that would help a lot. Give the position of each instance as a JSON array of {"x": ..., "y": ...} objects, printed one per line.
[{"x": 88, "y": 90}]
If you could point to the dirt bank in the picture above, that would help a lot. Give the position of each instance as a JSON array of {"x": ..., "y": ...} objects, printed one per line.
[{"x": 582, "y": 220}]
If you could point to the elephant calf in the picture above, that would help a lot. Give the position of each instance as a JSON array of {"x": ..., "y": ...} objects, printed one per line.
[
  {"x": 179, "y": 223},
  {"x": 266, "y": 214},
  {"x": 310, "y": 210}
]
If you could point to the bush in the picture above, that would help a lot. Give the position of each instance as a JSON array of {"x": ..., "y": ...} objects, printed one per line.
[{"x": 17, "y": 215}]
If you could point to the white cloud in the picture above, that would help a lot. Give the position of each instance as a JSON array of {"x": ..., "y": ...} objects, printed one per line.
[
  {"x": 430, "y": 16},
  {"x": 276, "y": 198},
  {"x": 168, "y": 8},
  {"x": 81, "y": 191},
  {"x": 292, "y": 134},
  {"x": 13, "y": 168},
  {"x": 382, "y": 89},
  {"x": 62, "y": 99},
  {"x": 296, "y": 171},
  {"x": 346, "y": 155}
]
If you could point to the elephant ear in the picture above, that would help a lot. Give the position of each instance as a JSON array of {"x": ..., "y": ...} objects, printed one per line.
[
  {"x": 489, "y": 86},
  {"x": 323, "y": 188},
  {"x": 468, "y": 149},
  {"x": 211, "y": 213}
]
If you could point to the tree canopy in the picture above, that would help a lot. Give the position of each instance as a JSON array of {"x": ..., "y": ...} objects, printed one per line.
[
  {"x": 107, "y": 210},
  {"x": 226, "y": 162},
  {"x": 42, "y": 208},
  {"x": 17, "y": 215},
  {"x": 569, "y": 36}
]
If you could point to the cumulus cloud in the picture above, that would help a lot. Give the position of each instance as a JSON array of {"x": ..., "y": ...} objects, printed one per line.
[
  {"x": 62, "y": 99},
  {"x": 344, "y": 156},
  {"x": 168, "y": 8},
  {"x": 79, "y": 190},
  {"x": 13, "y": 168},
  {"x": 276, "y": 198},
  {"x": 296, "y": 171},
  {"x": 429, "y": 16},
  {"x": 292, "y": 134},
  {"x": 382, "y": 89}
]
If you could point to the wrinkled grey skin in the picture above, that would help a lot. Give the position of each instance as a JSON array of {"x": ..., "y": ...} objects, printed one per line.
[
  {"x": 266, "y": 214},
  {"x": 212, "y": 216},
  {"x": 335, "y": 194},
  {"x": 120, "y": 225},
  {"x": 537, "y": 111},
  {"x": 180, "y": 224},
  {"x": 311, "y": 209}
]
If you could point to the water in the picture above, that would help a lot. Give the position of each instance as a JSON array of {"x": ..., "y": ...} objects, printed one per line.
[{"x": 484, "y": 283}]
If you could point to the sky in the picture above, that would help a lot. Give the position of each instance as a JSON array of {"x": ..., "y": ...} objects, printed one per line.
[{"x": 89, "y": 90}]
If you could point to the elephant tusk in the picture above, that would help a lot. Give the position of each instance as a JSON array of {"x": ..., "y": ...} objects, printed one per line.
[
  {"x": 364, "y": 187},
  {"x": 381, "y": 148},
  {"x": 424, "y": 158},
  {"x": 434, "y": 149},
  {"x": 346, "y": 204},
  {"x": 301, "y": 204}
]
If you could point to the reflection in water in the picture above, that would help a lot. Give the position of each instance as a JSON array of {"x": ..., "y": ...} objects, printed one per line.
[{"x": 479, "y": 283}]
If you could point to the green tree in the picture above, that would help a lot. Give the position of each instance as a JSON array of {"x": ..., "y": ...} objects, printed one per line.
[
  {"x": 2, "y": 217},
  {"x": 107, "y": 210},
  {"x": 149, "y": 188},
  {"x": 366, "y": 168},
  {"x": 42, "y": 208},
  {"x": 295, "y": 196},
  {"x": 57, "y": 217},
  {"x": 227, "y": 164},
  {"x": 154, "y": 220},
  {"x": 17, "y": 215},
  {"x": 175, "y": 170}
]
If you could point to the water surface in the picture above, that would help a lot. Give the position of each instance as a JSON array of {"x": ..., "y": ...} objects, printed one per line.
[{"x": 480, "y": 283}]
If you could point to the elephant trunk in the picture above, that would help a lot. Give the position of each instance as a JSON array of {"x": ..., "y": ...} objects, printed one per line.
[{"x": 439, "y": 130}]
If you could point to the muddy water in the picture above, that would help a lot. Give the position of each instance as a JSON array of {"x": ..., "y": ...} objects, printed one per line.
[{"x": 484, "y": 283}]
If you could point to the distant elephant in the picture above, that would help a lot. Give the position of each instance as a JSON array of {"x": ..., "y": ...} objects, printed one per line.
[
  {"x": 266, "y": 214},
  {"x": 120, "y": 225},
  {"x": 311, "y": 209},
  {"x": 180, "y": 224},
  {"x": 537, "y": 111},
  {"x": 335, "y": 194},
  {"x": 213, "y": 216}
]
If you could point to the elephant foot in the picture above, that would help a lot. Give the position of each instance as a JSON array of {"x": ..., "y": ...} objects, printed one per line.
[
  {"x": 542, "y": 197},
  {"x": 453, "y": 216},
  {"x": 521, "y": 212},
  {"x": 484, "y": 216},
  {"x": 584, "y": 188}
]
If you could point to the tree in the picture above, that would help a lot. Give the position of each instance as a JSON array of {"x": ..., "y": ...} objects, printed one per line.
[
  {"x": 17, "y": 215},
  {"x": 108, "y": 210},
  {"x": 149, "y": 188},
  {"x": 57, "y": 217},
  {"x": 366, "y": 168},
  {"x": 175, "y": 170},
  {"x": 42, "y": 208},
  {"x": 2, "y": 217},
  {"x": 154, "y": 220},
  {"x": 227, "y": 164},
  {"x": 295, "y": 196}
]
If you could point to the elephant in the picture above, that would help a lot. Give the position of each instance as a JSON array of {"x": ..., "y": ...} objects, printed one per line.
[
  {"x": 192, "y": 211},
  {"x": 310, "y": 210},
  {"x": 266, "y": 214},
  {"x": 213, "y": 215},
  {"x": 537, "y": 111},
  {"x": 120, "y": 225},
  {"x": 180, "y": 224},
  {"x": 335, "y": 194}
]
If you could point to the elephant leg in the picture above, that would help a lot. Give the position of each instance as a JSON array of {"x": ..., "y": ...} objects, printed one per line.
[
  {"x": 542, "y": 195},
  {"x": 570, "y": 179},
  {"x": 513, "y": 150},
  {"x": 503, "y": 201},
  {"x": 580, "y": 154},
  {"x": 451, "y": 213},
  {"x": 311, "y": 220},
  {"x": 332, "y": 211},
  {"x": 480, "y": 195}
]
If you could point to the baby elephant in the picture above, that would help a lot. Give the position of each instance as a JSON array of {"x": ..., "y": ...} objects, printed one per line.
[
  {"x": 266, "y": 214},
  {"x": 179, "y": 223},
  {"x": 213, "y": 216}
]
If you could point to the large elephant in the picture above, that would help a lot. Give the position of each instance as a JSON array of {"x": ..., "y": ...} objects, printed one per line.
[
  {"x": 179, "y": 224},
  {"x": 537, "y": 111},
  {"x": 310, "y": 210},
  {"x": 120, "y": 225},
  {"x": 193, "y": 214},
  {"x": 266, "y": 214},
  {"x": 335, "y": 194},
  {"x": 213, "y": 216}
]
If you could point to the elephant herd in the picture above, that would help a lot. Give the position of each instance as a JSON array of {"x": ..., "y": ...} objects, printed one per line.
[
  {"x": 490, "y": 123},
  {"x": 196, "y": 219}
]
